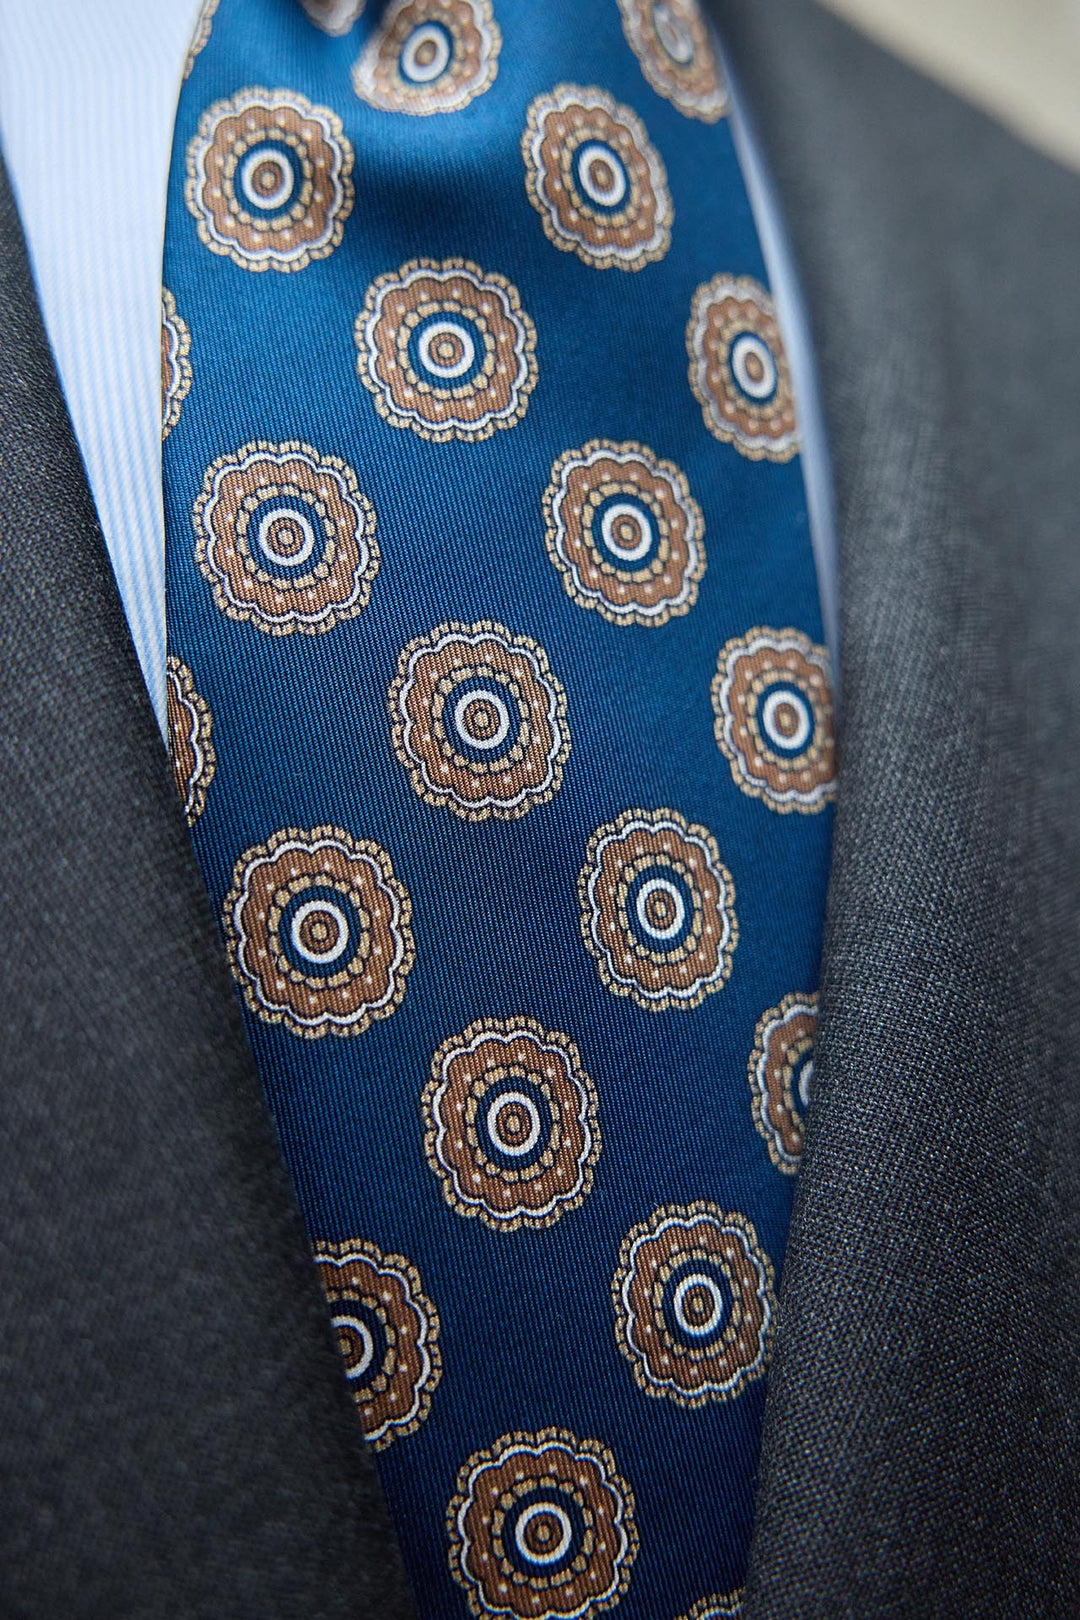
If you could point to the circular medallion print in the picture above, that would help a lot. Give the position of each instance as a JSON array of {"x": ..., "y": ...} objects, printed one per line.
[
  {"x": 286, "y": 538},
  {"x": 388, "y": 1333},
  {"x": 781, "y": 1072},
  {"x": 542, "y": 1528},
  {"x": 738, "y": 369},
  {"x": 774, "y": 721},
  {"x": 595, "y": 179},
  {"x": 625, "y": 532},
  {"x": 658, "y": 909},
  {"x": 670, "y": 40},
  {"x": 510, "y": 1124},
  {"x": 479, "y": 721},
  {"x": 429, "y": 56},
  {"x": 270, "y": 180},
  {"x": 446, "y": 350},
  {"x": 190, "y": 748},
  {"x": 175, "y": 362},
  {"x": 318, "y": 932},
  {"x": 333, "y": 16},
  {"x": 694, "y": 1304},
  {"x": 203, "y": 24},
  {"x": 728, "y": 1607}
]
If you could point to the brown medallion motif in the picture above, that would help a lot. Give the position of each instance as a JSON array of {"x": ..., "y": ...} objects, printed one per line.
[
  {"x": 429, "y": 56},
  {"x": 595, "y": 179},
  {"x": 175, "y": 362},
  {"x": 388, "y": 1333},
  {"x": 270, "y": 180},
  {"x": 446, "y": 350},
  {"x": 318, "y": 930},
  {"x": 658, "y": 909},
  {"x": 479, "y": 721},
  {"x": 694, "y": 1303},
  {"x": 204, "y": 22},
  {"x": 774, "y": 721},
  {"x": 190, "y": 748},
  {"x": 671, "y": 42},
  {"x": 781, "y": 1071},
  {"x": 739, "y": 370},
  {"x": 510, "y": 1123},
  {"x": 542, "y": 1528},
  {"x": 286, "y": 538},
  {"x": 625, "y": 532}
]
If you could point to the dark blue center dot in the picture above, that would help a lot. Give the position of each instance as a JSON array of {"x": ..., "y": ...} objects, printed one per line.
[
  {"x": 660, "y": 908},
  {"x": 697, "y": 1302},
  {"x": 286, "y": 535},
  {"x": 753, "y": 367},
  {"x": 426, "y": 55},
  {"x": 363, "y": 1340},
  {"x": 601, "y": 177},
  {"x": 482, "y": 719},
  {"x": 785, "y": 717},
  {"x": 543, "y": 1532},
  {"x": 321, "y": 931},
  {"x": 269, "y": 179},
  {"x": 514, "y": 1122},
  {"x": 625, "y": 532},
  {"x": 447, "y": 349}
]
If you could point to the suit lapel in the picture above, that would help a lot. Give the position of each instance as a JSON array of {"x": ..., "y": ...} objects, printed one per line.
[
  {"x": 174, "y": 1434},
  {"x": 918, "y": 1457}
]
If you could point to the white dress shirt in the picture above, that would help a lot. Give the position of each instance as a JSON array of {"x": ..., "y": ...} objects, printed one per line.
[{"x": 88, "y": 93}]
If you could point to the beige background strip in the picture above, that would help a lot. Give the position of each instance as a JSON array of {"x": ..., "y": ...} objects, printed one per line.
[{"x": 1017, "y": 59}]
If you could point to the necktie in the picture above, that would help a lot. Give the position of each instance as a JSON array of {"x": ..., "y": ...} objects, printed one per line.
[{"x": 499, "y": 712}]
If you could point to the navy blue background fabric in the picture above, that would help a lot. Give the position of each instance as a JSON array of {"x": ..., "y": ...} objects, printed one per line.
[{"x": 301, "y": 738}]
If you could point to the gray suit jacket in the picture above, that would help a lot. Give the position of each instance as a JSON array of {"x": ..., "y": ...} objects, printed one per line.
[{"x": 174, "y": 1437}]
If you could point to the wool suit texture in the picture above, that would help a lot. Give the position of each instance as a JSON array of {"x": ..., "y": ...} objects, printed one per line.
[{"x": 175, "y": 1438}]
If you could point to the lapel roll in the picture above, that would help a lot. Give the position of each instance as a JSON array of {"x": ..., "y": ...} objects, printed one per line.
[
  {"x": 920, "y": 1453},
  {"x": 174, "y": 1434}
]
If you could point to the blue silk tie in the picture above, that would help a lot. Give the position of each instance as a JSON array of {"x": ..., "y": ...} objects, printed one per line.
[{"x": 499, "y": 712}]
